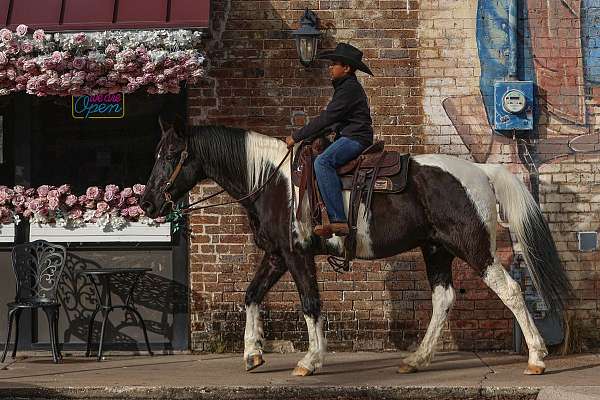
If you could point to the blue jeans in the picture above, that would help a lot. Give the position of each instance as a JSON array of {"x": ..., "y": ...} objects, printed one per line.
[{"x": 337, "y": 154}]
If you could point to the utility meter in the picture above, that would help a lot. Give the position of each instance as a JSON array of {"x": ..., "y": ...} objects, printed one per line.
[
  {"x": 513, "y": 105},
  {"x": 513, "y": 101}
]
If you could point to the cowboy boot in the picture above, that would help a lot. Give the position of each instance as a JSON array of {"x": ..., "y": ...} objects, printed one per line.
[{"x": 327, "y": 230}]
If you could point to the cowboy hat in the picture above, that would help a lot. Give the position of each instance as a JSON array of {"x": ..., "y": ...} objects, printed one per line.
[{"x": 348, "y": 55}]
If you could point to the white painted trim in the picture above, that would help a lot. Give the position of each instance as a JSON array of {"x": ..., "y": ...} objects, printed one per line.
[
  {"x": 7, "y": 233},
  {"x": 133, "y": 232}
]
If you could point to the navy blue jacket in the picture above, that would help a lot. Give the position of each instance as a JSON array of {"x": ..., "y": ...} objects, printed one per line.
[{"x": 347, "y": 114}]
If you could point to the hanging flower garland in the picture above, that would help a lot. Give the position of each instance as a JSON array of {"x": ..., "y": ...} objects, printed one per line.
[{"x": 64, "y": 64}]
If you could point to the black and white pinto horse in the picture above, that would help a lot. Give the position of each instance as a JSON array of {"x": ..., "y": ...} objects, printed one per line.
[{"x": 448, "y": 210}]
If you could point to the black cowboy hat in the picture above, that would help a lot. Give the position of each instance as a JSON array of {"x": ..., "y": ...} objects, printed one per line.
[{"x": 347, "y": 54}]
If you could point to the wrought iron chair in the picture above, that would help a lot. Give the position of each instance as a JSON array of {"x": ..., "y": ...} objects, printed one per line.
[{"x": 38, "y": 267}]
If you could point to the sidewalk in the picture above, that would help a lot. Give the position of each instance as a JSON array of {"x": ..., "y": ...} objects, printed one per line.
[{"x": 459, "y": 375}]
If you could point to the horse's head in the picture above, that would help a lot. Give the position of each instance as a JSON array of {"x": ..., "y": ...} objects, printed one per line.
[{"x": 175, "y": 172}]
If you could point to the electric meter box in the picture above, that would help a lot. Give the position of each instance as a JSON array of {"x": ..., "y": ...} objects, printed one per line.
[{"x": 513, "y": 104}]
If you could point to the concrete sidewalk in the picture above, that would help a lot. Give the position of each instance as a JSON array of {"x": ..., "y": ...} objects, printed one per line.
[{"x": 459, "y": 375}]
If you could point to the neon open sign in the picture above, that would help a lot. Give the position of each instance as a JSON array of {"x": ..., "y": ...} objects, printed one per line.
[{"x": 98, "y": 106}]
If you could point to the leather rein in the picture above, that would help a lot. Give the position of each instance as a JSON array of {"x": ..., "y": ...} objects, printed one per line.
[{"x": 189, "y": 208}]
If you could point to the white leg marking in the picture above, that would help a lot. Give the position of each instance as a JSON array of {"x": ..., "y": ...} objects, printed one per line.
[
  {"x": 509, "y": 292},
  {"x": 442, "y": 300},
  {"x": 317, "y": 346},
  {"x": 253, "y": 336}
]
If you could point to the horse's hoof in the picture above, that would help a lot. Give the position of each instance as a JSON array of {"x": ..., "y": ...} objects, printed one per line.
[
  {"x": 301, "y": 371},
  {"x": 534, "y": 370},
  {"x": 254, "y": 362},
  {"x": 406, "y": 369}
]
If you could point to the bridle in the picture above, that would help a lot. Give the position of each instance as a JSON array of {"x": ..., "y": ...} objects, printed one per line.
[{"x": 176, "y": 171}]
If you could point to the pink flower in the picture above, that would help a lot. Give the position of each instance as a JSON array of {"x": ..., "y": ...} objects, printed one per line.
[
  {"x": 128, "y": 55},
  {"x": 80, "y": 38},
  {"x": 64, "y": 189},
  {"x": 27, "y": 213},
  {"x": 125, "y": 212},
  {"x": 79, "y": 63},
  {"x": 6, "y": 35},
  {"x": 27, "y": 47},
  {"x": 139, "y": 189},
  {"x": 82, "y": 199},
  {"x": 160, "y": 220},
  {"x": 149, "y": 67},
  {"x": 93, "y": 193},
  {"x": 101, "y": 208},
  {"x": 133, "y": 211},
  {"x": 76, "y": 213},
  {"x": 43, "y": 190},
  {"x": 29, "y": 66},
  {"x": 3, "y": 58},
  {"x": 111, "y": 49},
  {"x": 19, "y": 200},
  {"x": 53, "y": 203},
  {"x": 101, "y": 81},
  {"x": 131, "y": 201},
  {"x": 36, "y": 204},
  {"x": 30, "y": 192},
  {"x": 22, "y": 30},
  {"x": 57, "y": 57},
  {"x": 39, "y": 35},
  {"x": 19, "y": 189},
  {"x": 71, "y": 200},
  {"x": 127, "y": 192},
  {"x": 11, "y": 74}
]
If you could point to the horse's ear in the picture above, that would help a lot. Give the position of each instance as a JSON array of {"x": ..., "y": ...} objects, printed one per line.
[
  {"x": 164, "y": 126},
  {"x": 179, "y": 125}
]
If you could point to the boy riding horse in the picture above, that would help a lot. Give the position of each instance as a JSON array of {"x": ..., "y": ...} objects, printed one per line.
[{"x": 347, "y": 114}]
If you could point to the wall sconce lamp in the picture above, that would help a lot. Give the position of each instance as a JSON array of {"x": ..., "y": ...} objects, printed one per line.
[{"x": 307, "y": 37}]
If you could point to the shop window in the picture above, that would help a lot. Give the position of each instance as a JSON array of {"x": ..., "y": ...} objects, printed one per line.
[{"x": 95, "y": 152}]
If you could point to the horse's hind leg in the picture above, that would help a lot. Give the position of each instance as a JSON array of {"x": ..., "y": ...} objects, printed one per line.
[
  {"x": 509, "y": 291},
  {"x": 302, "y": 268},
  {"x": 438, "y": 262},
  {"x": 270, "y": 270}
]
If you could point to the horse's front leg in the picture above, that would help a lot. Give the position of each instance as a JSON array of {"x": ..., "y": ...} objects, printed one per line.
[
  {"x": 302, "y": 268},
  {"x": 271, "y": 268}
]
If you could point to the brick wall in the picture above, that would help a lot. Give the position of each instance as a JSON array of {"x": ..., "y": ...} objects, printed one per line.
[{"x": 424, "y": 98}]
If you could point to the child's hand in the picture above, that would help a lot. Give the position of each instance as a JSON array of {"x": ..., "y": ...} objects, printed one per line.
[{"x": 289, "y": 141}]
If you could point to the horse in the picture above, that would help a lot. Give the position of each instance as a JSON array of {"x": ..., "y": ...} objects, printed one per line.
[{"x": 448, "y": 210}]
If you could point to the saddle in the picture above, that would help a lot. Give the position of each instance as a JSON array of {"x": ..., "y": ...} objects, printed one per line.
[{"x": 374, "y": 171}]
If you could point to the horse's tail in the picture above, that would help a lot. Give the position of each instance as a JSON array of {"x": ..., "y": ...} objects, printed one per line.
[{"x": 526, "y": 220}]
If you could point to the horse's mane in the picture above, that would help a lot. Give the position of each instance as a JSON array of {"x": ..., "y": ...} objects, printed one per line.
[{"x": 231, "y": 153}]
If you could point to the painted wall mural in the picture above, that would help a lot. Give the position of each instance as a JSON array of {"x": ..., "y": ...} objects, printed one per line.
[{"x": 559, "y": 49}]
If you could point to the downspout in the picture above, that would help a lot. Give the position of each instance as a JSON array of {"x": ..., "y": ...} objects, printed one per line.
[
  {"x": 512, "y": 75},
  {"x": 512, "y": 40}
]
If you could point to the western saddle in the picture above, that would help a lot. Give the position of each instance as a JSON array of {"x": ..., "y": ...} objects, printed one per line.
[{"x": 375, "y": 170}]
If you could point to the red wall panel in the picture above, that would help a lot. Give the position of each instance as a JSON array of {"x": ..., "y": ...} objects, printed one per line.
[
  {"x": 142, "y": 11},
  {"x": 81, "y": 11},
  {"x": 62, "y": 15}
]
